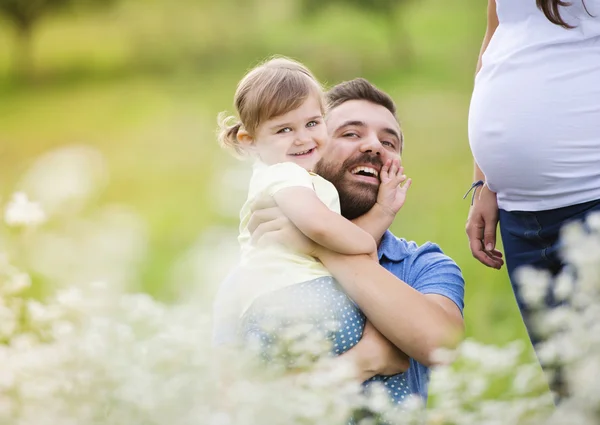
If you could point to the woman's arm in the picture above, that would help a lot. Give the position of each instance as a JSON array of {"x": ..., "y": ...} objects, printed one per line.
[
  {"x": 327, "y": 228},
  {"x": 482, "y": 220},
  {"x": 482, "y": 224},
  {"x": 492, "y": 24}
]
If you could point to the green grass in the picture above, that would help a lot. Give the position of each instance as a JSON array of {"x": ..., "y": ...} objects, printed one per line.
[{"x": 146, "y": 92}]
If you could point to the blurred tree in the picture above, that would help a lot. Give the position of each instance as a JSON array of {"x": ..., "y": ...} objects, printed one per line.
[
  {"x": 25, "y": 15},
  {"x": 388, "y": 10}
]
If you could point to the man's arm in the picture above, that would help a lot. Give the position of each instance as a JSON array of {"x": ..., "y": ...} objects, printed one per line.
[{"x": 416, "y": 323}]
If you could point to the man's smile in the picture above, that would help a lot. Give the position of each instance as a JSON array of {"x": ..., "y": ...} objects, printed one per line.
[{"x": 365, "y": 173}]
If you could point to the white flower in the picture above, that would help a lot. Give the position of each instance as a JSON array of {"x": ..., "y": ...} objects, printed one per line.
[
  {"x": 17, "y": 283},
  {"x": 443, "y": 356},
  {"x": 593, "y": 221},
  {"x": 414, "y": 403},
  {"x": 8, "y": 320},
  {"x": 533, "y": 285},
  {"x": 378, "y": 399},
  {"x": 65, "y": 178},
  {"x": 563, "y": 287},
  {"x": 548, "y": 352},
  {"x": 524, "y": 379},
  {"x": 22, "y": 212},
  {"x": 7, "y": 406}
]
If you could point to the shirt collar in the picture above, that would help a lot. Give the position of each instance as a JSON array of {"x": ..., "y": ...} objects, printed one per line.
[
  {"x": 392, "y": 248},
  {"x": 258, "y": 165}
]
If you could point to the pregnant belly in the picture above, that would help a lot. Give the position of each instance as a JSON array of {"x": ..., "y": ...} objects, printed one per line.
[{"x": 533, "y": 143}]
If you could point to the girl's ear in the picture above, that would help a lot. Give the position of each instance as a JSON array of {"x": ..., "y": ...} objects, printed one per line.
[{"x": 244, "y": 138}]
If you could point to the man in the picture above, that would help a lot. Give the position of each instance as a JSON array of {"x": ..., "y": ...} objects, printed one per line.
[{"x": 413, "y": 297}]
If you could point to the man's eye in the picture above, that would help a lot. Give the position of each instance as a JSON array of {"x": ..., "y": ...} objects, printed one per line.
[
  {"x": 284, "y": 130},
  {"x": 386, "y": 143},
  {"x": 350, "y": 134}
]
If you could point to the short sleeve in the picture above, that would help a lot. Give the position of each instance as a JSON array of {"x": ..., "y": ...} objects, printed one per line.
[
  {"x": 283, "y": 175},
  {"x": 436, "y": 273}
]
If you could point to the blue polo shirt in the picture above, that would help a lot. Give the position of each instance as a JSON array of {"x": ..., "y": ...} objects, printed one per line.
[
  {"x": 428, "y": 270},
  {"x": 425, "y": 268}
]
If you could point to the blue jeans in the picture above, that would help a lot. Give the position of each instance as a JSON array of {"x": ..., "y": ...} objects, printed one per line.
[{"x": 532, "y": 238}]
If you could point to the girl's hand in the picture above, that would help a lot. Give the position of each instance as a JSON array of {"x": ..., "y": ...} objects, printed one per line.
[
  {"x": 393, "y": 188},
  {"x": 375, "y": 355}
]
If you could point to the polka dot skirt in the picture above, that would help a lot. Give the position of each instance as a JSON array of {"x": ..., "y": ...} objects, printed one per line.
[{"x": 321, "y": 306}]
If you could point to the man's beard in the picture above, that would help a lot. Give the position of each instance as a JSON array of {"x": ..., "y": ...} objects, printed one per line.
[{"x": 356, "y": 197}]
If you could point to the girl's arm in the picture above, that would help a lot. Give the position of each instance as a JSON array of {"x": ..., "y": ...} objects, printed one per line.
[
  {"x": 376, "y": 221},
  {"x": 327, "y": 228},
  {"x": 390, "y": 199}
]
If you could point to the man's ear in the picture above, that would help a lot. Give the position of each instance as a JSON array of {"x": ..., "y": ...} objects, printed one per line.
[{"x": 244, "y": 138}]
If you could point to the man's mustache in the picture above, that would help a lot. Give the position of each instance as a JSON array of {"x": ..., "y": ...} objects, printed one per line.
[{"x": 364, "y": 159}]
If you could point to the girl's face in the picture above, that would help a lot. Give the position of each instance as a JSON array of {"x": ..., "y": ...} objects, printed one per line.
[{"x": 297, "y": 136}]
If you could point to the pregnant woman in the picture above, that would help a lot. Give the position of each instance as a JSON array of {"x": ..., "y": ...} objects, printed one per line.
[{"x": 534, "y": 130}]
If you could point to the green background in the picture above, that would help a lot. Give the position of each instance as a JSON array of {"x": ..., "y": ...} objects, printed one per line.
[{"x": 143, "y": 81}]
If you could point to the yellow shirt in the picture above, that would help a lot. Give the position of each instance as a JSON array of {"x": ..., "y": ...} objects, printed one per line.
[{"x": 274, "y": 267}]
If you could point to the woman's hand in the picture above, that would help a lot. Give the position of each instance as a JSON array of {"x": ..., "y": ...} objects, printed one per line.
[
  {"x": 481, "y": 228},
  {"x": 374, "y": 355}
]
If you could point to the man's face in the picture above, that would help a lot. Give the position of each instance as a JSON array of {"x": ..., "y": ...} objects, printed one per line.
[{"x": 363, "y": 136}]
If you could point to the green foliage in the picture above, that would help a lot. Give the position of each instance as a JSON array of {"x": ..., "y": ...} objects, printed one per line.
[
  {"x": 25, "y": 15},
  {"x": 385, "y": 10},
  {"x": 384, "y": 7},
  {"x": 157, "y": 129}
]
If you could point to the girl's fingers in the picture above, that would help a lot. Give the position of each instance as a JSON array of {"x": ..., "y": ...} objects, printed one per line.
[
  {"x": 394, "y": 169},
  {"x": 384, "y": 173},
  {"x": 405, "y": 186}
]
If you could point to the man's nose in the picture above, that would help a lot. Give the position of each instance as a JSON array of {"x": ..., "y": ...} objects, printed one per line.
[{"x": 371, "y": 144}]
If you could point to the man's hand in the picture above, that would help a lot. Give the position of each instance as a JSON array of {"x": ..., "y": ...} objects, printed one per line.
[
  {"x": 481, "y": 229},
  {"x": 268, "y": 225},
  {"x": 392, "y": 193},
  {"x": 374, "y": 355}
]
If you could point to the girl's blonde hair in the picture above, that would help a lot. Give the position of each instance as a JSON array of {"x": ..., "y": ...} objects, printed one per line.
[{"x": 271, "y": 89}]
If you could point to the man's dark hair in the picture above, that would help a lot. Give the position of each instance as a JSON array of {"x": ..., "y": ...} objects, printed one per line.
[{"x": 359, "y": 89}]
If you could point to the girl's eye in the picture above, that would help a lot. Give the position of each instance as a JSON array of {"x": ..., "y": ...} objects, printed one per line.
[
  {"x": 350, "y": 134},
  {"x": 312, "y": 124},
  {"x": 284, "y": 130}
]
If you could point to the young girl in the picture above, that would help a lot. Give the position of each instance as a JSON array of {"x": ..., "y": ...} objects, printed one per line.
[{"x": 281, "y": 127}]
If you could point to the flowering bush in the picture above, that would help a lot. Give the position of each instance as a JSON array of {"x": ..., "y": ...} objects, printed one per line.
[{"x": 92, "y": 353}]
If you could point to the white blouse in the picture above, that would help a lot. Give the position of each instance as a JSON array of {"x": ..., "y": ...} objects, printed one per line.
[{"x": 534, "y": 120}]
